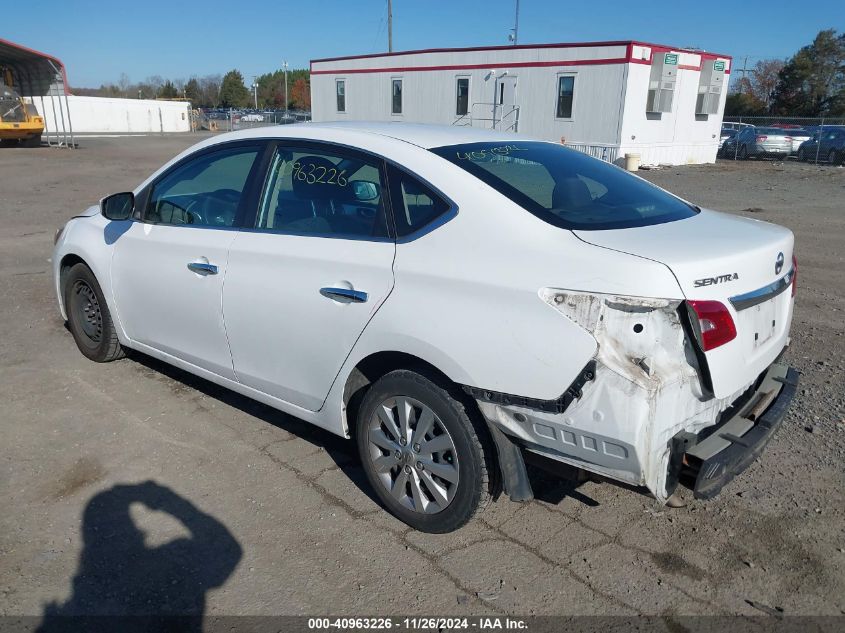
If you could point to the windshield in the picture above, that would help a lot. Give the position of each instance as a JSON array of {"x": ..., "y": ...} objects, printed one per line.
[{"x": 567, "y": 188}]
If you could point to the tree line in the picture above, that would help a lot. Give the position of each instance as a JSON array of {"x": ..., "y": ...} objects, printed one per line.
[
  {"x": 809, "y": 84},
  {"x": 215, "y": 91}
]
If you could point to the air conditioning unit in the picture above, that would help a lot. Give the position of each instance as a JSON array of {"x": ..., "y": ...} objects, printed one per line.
[
  {"x": 661, "y": 84},
  {"x": 710, "y": 85}
]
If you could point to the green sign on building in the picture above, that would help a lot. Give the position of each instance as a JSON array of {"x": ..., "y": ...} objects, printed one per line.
[
  {"x": 670, "y": 59},
  {"x": 720, "y": 65}
]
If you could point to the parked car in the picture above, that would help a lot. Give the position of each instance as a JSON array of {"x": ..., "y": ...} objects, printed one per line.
[
  {"x": 731, "y": 125},
  {"x": 453, "y": 299},
  {"x": 726, "y": 134},
  {"x": 798, "y": 136},
  {"x": 831, "y": 149},
  {"x": 252, "y": 118},
  {"x": 758, "y": 142}
]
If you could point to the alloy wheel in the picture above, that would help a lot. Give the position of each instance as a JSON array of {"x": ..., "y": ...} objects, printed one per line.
[{"x": 413, "y": 454}]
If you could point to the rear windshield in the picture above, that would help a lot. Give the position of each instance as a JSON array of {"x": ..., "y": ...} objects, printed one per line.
[{"x": 567, "y": 188}]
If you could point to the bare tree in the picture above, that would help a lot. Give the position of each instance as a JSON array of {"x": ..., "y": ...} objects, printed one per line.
[
  {"x": 210, "y": 90},
  {"x": 155, "y": 82},
  {"x": 124, "y": 84},
  {"x": 764, "y": 79}
]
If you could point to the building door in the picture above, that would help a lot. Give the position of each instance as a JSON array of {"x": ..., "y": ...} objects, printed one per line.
[{"x": 505, "y": 105}]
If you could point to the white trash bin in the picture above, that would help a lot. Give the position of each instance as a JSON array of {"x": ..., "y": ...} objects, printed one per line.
[{"x": 632, "y": 162}]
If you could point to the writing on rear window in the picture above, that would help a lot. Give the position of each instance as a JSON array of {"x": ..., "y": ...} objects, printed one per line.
[{"x": 488, "y": 152}]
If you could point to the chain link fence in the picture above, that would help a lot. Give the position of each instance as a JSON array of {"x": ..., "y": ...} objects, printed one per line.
[
  {"x": 232, "y": 120},
  {"x": 817, "y": 140}
]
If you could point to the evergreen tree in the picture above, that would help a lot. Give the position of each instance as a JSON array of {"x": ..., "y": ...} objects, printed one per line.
[
  {"x": 192, "y": 91},
  {"x": 233, "y": 92},
  {"x": 812, "y": 83},
  {"x": 168, "y": 90}
]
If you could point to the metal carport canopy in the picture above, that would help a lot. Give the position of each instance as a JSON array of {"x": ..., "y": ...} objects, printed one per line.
[{"x": 35, "y": 73}]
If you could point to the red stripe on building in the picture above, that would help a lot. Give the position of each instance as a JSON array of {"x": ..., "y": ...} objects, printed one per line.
[{"x": 399, "y": 69}]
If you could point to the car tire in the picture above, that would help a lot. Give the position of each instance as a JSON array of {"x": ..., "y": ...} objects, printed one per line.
[
  {"x": 832, "y": 158},
  {"x": 89, "y": 319},
  {"x": 743, "y": 153},
  {"x": 434, "y": 478},
  {"x": 802, "y": 157}
]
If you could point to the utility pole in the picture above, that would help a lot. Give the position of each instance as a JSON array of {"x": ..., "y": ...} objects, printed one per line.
[
  {"x": 255, "y": 90},
  {"x": 743, "y": 70},
  {"x": 389, "y": 26},
  {"x": 285, "y": 66},
  {"x": 514, "y": 37}
]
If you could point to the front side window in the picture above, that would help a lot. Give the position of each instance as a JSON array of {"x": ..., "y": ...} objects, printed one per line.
[
  {"x": 323, "y": 192},
  {"x": 396, "y": 96},
  {"x": 567, "y": 188},
  {"x": 462, "y": 96},
  {"x": 205, "y": 191},
  {"x": 340, "y": 88},
  {"x": 565, "y": 95}
]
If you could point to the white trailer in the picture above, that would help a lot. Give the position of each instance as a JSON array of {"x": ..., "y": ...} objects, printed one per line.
[{"x": 604, "y": 98}]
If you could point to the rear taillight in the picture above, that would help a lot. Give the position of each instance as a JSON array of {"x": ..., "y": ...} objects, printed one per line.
[
  {"x": 794, "y": 275},
  {"x": 715, "y": 324},
  {"x": 761, "y": 138}
]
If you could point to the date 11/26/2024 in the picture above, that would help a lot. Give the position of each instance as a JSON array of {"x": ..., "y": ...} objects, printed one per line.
[{"x": 419, "y": 623}]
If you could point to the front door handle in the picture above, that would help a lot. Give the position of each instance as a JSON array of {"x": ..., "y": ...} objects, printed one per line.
[
  {"x": 203, "y": 268},
  {"x": 344, "y": 295}
]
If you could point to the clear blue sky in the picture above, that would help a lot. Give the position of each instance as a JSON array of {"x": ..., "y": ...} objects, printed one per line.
[{"x": 98, "y": 41}]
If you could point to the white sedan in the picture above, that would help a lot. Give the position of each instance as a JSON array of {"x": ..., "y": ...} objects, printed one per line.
[{"x": 456, "y": 300}]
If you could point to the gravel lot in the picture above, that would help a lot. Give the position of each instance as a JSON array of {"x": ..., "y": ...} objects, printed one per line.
[{"x": 275, "y": 517}]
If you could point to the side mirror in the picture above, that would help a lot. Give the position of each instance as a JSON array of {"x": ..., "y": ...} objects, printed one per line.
[
  {"x": 364, "y": 191},
  {"x": 118, "y": 206}
]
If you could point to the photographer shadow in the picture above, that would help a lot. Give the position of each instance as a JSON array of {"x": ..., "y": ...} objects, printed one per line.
[{"x": 139, "y": 587}]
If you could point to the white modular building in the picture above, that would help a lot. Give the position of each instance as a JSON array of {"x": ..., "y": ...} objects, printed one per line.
[{"x": 605, "y": 98}]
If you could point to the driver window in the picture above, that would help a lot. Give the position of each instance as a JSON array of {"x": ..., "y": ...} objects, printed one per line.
[{"x": 203, "y": 192}]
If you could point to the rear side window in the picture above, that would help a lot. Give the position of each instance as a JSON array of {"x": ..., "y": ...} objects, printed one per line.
[
  {"x": 323, "y": 192},
  {"x": 415, "y": 205},
  {"x": 567, "y": 188},
  {"x": 205, "y": 191}
]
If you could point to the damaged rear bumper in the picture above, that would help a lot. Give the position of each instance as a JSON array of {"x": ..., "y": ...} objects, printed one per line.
[{"x": 728, "y": 448}]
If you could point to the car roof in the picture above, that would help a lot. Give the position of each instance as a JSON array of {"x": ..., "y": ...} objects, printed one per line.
[{"x": 419, "y": 134}]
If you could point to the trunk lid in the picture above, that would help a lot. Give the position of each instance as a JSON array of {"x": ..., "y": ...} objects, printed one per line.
[{"x": 720, "y": 257}]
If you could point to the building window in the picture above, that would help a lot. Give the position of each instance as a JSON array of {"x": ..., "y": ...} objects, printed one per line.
[
  {"x": 340, "y": 89},
  {"x": 462, "y": 96},
  {"x": 396, "y": 94},
  {"x": 565, "y": 94}
]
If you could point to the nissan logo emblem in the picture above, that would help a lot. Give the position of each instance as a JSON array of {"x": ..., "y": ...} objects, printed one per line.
[{"x": 779, "y": 264}]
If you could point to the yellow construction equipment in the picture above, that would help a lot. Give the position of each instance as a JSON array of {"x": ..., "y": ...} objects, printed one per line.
[{"x": 20, "y": 122}]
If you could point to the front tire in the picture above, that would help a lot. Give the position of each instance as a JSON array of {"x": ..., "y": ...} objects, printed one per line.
[
  {"x": 88, "y": 316},
  {"x": 743, "y": 153},
  {"x": 832, "y": 158},
  {"x": 422, "y": 452}
]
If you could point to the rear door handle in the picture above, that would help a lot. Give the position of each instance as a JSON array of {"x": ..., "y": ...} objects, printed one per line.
[
  {"x": 203, "y": 268},
  {"x": 344, "y": 295}
]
